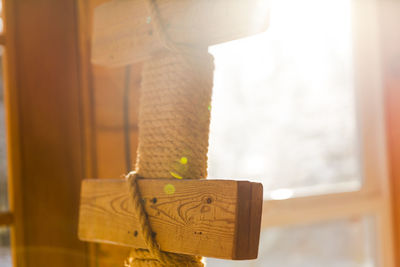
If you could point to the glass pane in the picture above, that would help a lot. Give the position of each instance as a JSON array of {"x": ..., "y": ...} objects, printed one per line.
[
  {"x": 346, "y": 243},
  {"x": 3, "y": 158},
  {"x": 5, "y": 251},
  {"x": 283, "y": 106}
]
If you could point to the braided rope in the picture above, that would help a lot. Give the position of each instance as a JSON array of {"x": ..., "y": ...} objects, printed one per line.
[{"x": 174, "y": 118}]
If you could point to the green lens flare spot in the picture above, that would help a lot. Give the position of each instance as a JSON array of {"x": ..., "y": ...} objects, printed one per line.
[
  {"x": 183, "y": 160},
  {"x": 209, "y": 107},
  {"x": 169, "y": 189},
  {"x": 177, "y": 176}
]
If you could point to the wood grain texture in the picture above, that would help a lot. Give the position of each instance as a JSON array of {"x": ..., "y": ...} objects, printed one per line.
[
  {"x": 123, "y": 32},
  {"x": 214, "y": 218}
]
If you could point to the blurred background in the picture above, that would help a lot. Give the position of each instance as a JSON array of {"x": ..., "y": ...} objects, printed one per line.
[
  {"x": 284, "y": 108},
  {"x": 284, "y": 113}
]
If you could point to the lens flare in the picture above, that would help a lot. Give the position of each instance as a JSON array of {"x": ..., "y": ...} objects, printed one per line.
[
  {"x": 183, "y": 160},
  {"x": 169, "y": 189},
  {"x": 177, "y": 176}
]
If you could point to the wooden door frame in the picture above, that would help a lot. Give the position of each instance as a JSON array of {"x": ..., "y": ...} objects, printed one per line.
[{"x": 45, "y": 140}]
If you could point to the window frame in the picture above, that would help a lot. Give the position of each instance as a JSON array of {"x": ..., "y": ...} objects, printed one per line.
[
  {"x": 374, "y": 198},
  {"x": 36, "y": 239}
]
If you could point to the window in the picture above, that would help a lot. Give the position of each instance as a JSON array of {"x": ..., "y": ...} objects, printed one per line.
[
  {"x": 292, "y": 109},
  {"x": 347, "y": 242},
  {"x": 290, "y": 93}
]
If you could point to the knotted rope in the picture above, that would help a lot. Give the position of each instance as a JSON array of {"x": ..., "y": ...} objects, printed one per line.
[
  {"x": 174, "y": 118},
  {"x": 153, "y": 256}
]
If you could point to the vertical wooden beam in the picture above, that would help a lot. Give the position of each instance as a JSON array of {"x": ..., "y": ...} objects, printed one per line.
[
  {"x": 44, "y": 120},
  {"x": 87, "y": 99},
  {"x": 103, "y": 98},
  {"x": 13, "y": 136},
  {"x": 390, "y": 43}
]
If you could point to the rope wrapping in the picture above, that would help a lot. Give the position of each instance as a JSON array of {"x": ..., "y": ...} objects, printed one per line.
[
  {"x": 174, "y": 119},
  {"x": 174, "y": 115}
]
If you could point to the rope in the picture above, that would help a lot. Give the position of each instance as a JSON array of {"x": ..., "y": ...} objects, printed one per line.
[
  {"x": 174, "y": 118},
  {"x": 152, "y": 256}
]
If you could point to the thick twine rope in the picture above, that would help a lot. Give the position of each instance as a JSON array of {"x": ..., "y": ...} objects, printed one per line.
[{"x": 174, "y": 118}]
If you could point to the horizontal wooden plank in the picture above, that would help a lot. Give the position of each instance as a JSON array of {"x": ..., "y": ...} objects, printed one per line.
[
  {"x": 6, "y": 218},
  {"x": 123, "y": 30},
  {"x": 213, "y": 218}
]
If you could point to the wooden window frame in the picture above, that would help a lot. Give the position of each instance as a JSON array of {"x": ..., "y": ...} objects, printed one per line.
[
  {"x": 41, "y": 80},
  {"x": 374, "y": 198}
]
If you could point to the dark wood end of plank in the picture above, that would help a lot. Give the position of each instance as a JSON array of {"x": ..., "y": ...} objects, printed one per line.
[{"x": 249, "y": 220}]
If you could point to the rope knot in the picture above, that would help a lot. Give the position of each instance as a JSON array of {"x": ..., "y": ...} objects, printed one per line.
[{"x": 152, "y": 256}]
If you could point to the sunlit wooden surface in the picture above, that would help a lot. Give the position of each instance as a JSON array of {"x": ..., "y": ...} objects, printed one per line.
[{"x": 44, "y": 129}]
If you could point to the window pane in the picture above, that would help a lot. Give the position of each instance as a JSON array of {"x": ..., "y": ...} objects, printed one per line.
[
  {"x": 283, "y": 105},
  {"x": 3, "y": 158},
  {"x": 346, "y": 243},
  {"x": 5, "y": 251}
]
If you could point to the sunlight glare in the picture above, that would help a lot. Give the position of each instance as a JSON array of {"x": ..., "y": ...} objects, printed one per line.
[
  {"x": 285, "y": 97},
  {"x": 281, "y": 194}
]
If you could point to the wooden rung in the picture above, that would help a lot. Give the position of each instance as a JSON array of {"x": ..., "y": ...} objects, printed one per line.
[
  {"x": 213, "y": 218},
  {"x": 6, "y": 218},
  {"x": 123, "y": 30}
]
